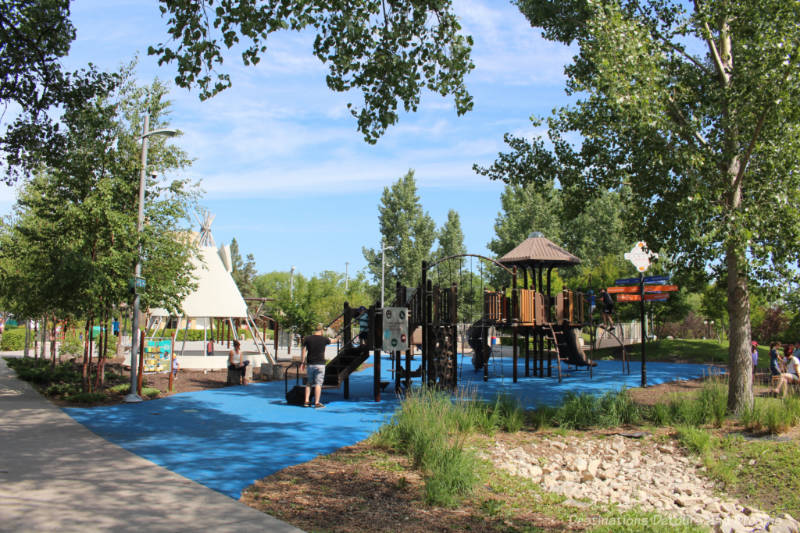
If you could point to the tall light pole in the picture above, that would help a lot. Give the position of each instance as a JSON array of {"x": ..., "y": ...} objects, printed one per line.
[
  {"x": 383, "y": 263},
  {"x": 346, "y": 275},
  {"x": 146, "y": 134},
  {"x": 291, "y": 284}
]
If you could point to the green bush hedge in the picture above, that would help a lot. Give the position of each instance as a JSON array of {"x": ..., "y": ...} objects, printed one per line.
[
  {"x": 196, "y": 334},
  {"x": 14, "y": 339}
]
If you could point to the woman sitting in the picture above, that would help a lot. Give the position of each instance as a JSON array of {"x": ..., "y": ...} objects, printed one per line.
[
  {"x": 791, "y": 373},
  {"x": 236, "y": 361}
]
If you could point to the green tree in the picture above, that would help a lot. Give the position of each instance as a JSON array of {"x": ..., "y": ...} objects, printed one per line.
[
  {"x": 692, "y": 106},
  {"x": 407, "y": 229},
  {"x": 72, "y": 244},
  {"x": 34, "y": 36},
  {"x": 451, "y": 239},
  {"x": 243, "y": 272},
  {"x": 390, "y": 51},
  {"x": 526, "y": 209}
]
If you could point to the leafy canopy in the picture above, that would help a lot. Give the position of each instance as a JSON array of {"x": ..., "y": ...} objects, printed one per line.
[{"x": 390, "y": 51}]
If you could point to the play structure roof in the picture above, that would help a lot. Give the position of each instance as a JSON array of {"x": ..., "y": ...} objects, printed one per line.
[
  {"x": 216, "y": 294},
  {"x": 538, "y": 251}
]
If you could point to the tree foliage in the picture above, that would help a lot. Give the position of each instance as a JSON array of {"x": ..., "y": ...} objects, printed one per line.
[
  {"x": 71, "y": 247},
  {"x": 390, "y": 51},
  {"x": 243, "y": 271},
  {"x": 408, "y": 233},
  {"x": 693, "y": 107},
  {"x": 34, "y": 36}
]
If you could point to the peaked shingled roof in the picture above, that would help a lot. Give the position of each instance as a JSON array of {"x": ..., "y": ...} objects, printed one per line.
[{"x": 537, "y": 251}]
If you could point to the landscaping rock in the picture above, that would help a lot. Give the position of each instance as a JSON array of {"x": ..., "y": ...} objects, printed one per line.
[{"x": 632, "y": 473}]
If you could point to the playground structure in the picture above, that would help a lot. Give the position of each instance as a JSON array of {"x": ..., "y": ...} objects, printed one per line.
[{"x": 542, "y": 327}]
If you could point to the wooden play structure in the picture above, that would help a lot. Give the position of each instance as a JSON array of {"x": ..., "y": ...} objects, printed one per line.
[{"x": 543, "y": 327}]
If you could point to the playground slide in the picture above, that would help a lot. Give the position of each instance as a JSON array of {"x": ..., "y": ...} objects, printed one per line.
[
  {"x": 346, "y": 362},
  {"x": 574, "y": 351}
]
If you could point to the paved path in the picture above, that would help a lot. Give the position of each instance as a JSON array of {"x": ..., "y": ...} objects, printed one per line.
[{"x": 56, "y": 475}]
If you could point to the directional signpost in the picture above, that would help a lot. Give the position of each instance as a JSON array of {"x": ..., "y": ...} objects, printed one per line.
[{"x": 640, "y": 257}]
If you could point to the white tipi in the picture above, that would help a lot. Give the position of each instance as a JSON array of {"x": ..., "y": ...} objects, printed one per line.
[{"x": 216, "y": 295}]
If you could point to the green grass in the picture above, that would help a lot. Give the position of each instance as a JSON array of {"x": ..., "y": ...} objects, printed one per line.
[
  {"x": 431, "y": 429},
  {"x": 581, "y": 411},
  {"x": 764, "y": 473},
  {"x": 691, "y": 350}
]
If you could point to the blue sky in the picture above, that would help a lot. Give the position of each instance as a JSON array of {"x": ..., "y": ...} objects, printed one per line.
[{"x": 279, "y": 158}]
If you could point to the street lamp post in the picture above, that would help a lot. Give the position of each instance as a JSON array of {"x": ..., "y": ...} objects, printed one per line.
[
  {"x": 146, "y": 134},
  {"x": 291, "y": 284},
  {"x": 383, "y": 263}
]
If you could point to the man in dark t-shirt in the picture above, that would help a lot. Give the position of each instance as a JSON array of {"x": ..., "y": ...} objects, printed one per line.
[
  {"x": 312, "y": 355},
  {"x": 608, "y": 309}
]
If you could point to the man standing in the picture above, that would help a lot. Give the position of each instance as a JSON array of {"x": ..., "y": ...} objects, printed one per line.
[{"x": 312, "y": 356}]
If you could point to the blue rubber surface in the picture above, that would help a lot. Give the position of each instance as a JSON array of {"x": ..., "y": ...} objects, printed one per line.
[{"x": 228, "y": 438}]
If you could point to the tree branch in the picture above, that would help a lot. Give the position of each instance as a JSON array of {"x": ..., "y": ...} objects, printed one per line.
[
  {"x": 712, "y": 47},
  {"x": 759, "y": 126}
]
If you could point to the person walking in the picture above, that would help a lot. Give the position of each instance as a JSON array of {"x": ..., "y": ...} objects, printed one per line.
[
  {"x": 312, "y": 357},
  {"x": 608, "y": 309}
]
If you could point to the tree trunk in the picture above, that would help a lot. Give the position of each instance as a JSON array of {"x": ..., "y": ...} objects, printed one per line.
[
  {"x": 53, "y": 345},
  {"x": 44, "y": 335},
  {"x": 740, "y": 371},
  {"x": 86, "y": 348},
  {"x": 27, "y": 337}
]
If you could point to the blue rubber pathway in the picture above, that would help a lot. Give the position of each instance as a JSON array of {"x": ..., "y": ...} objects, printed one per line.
[{"x": 228, "y": 438}]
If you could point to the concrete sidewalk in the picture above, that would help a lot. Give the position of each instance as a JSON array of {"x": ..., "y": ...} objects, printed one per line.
[{"x": 56, "y": 475}]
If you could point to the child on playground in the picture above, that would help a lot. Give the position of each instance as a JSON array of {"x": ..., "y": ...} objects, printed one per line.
[
  {"x": 608, "y": 309},
  {"x": 175, "y": 367}
]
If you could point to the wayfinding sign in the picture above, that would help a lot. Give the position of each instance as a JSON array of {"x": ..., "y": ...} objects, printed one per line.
[
  {"x": 640, "y": 256},
  {"x": 395, "y": 329}
]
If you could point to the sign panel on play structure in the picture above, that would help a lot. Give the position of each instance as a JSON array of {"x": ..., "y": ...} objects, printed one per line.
[{"x": 395, "y": 329}]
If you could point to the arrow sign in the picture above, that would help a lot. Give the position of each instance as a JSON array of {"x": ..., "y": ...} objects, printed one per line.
[
  {"x": 627, "y": 281},
  {"x": 621, "y": 290},
  {"x": 648, "y": 288},
  {"x": 656, "y": 279},
  {"x": 656, "y": 297},
  {"x": 660, "y": 288}
]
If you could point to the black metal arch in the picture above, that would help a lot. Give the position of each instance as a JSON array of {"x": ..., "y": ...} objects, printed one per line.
[{"x": 427, "y": 266}]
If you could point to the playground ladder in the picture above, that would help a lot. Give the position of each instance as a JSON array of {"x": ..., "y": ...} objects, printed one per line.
[{"x": 549, "y": 328}]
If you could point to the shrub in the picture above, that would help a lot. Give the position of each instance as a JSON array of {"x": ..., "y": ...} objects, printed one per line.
[
  {"x": 197, "y": 334},
  {"x": 618, "y": 408},
  {"x": 429, "y": 428},
  {"x": 452, "y": 474},
  {"x": 510, "y": 415},
  {"x": 13, "y": 339},
  {"x": 577, "y": 411},
  {"x": 543, "y": 416},
  {"x": 659, "y": 414},
  {"x": 696, "y": 440},
  {"x": 713, "y": 399}
]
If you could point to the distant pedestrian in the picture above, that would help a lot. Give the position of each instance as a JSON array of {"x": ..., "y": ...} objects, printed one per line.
[
  {"x": 115, "y": 326},
  {"x": 608, "y": 309},
  {"x": 175, "y": 367},
  {"x": 754, "y": 353}
]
